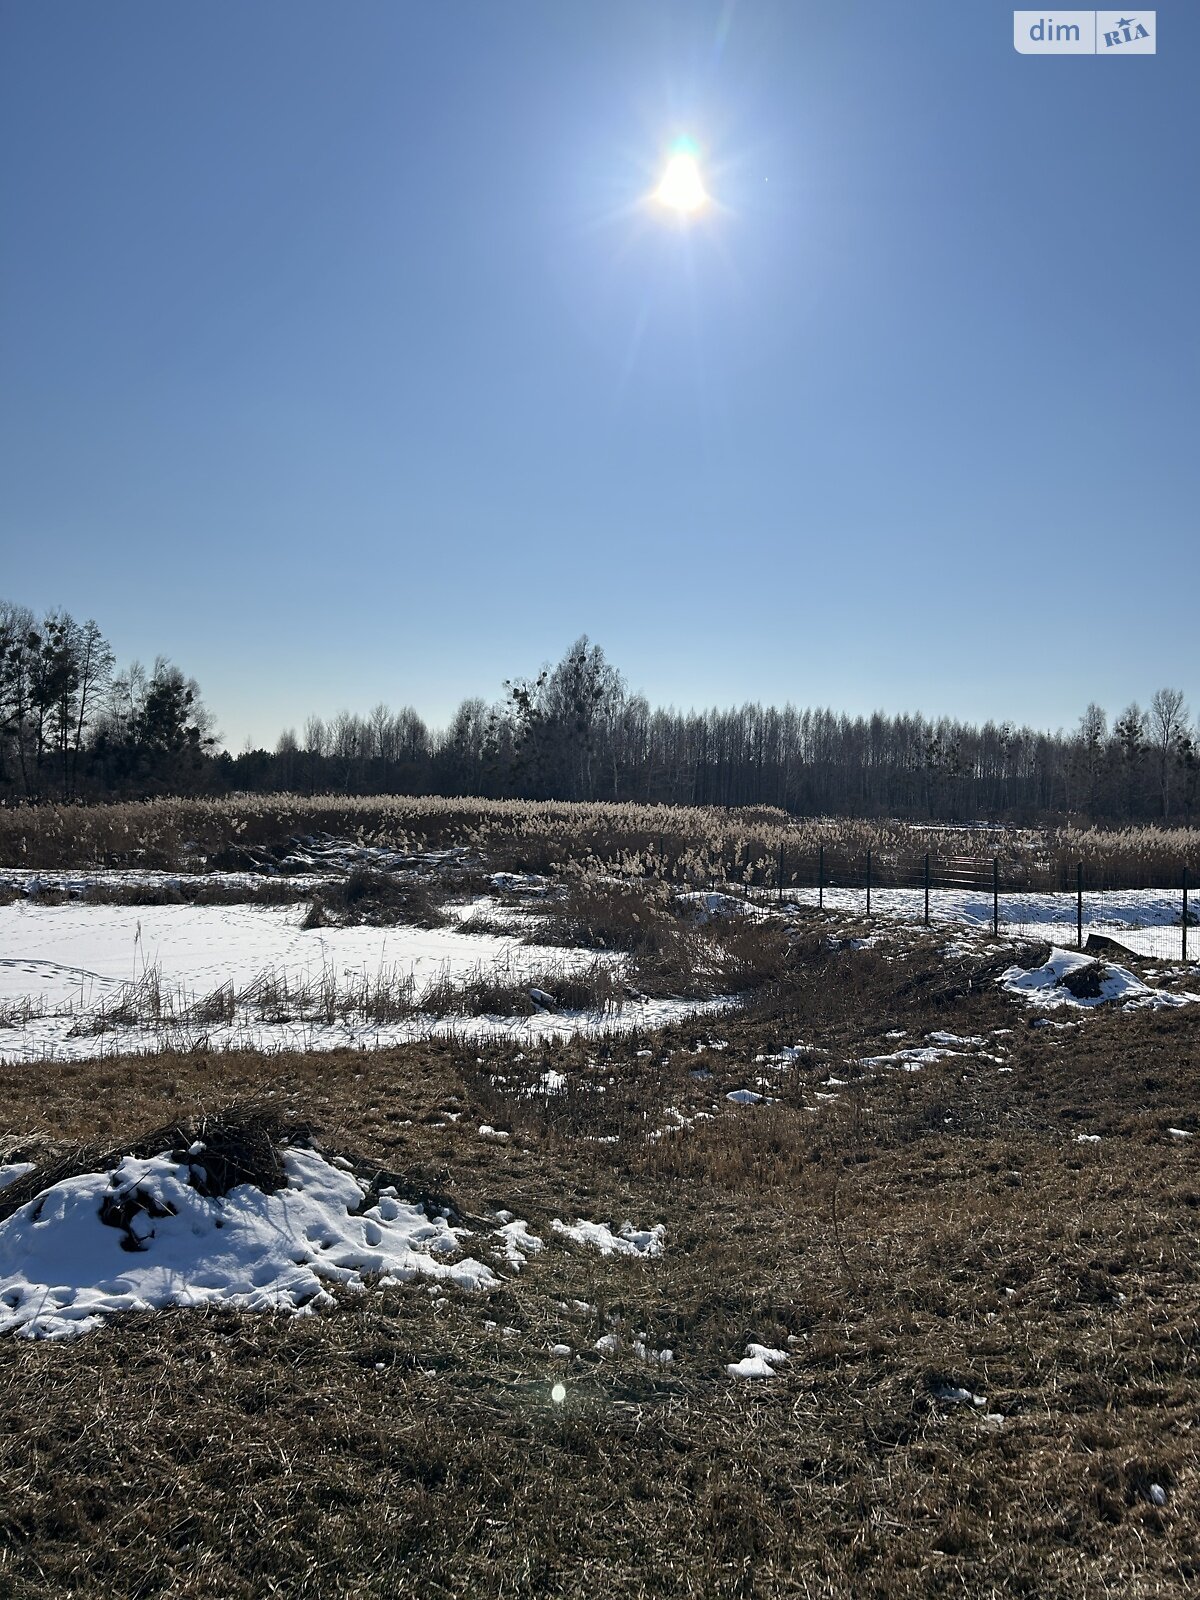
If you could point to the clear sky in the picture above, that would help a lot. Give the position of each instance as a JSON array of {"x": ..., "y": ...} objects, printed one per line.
[{"x": 342, "y": 359}]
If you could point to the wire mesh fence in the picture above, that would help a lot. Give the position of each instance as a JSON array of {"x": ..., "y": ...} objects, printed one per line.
[{"x": 1159, "y": 923}]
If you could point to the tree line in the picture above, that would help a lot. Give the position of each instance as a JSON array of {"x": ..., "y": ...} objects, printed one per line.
[{"x": 72, "y": 726}]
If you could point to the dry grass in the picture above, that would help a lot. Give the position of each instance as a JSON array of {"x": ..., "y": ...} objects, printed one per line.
[
  {"x": 669, "y": 954},
  {"x": 379, "y": 899},
  {"x": 918, "y": 1230},
  {"x": 676, "y": 843},
  {"x": 388, "y": 995}
]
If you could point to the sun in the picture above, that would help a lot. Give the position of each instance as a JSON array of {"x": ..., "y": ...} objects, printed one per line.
[{"x": 681, "y": 188}]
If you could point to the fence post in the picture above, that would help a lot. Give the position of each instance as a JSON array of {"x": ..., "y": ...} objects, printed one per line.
[
  {"x": 1079, "y": 906},
  {"x": 1185, "y": 890},
  {"x": 927, "y": 888},
  {"x": 995, "y": 897},
  {"x": 821, "y": 878},
  {"x": 868, "y": 883}
]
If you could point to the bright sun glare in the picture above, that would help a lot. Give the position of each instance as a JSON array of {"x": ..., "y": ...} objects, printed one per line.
[{"x": 682, "y": 188}]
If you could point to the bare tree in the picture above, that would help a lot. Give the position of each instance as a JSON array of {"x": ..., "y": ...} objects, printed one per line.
[
  {"x": 95, "y": 662},
  {"x": 1092, "y": 737},
  {"x": 315, "y": 744},
  {"x": 382, "y": 726},
  {"x": 1168, "y": 724}
]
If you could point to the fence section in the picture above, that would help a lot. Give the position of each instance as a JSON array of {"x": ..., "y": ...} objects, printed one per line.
[{"x": 1162, "y": 924}]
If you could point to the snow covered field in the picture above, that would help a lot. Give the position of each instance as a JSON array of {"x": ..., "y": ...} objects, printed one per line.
[
  {"x": 64, "y": 969},
  {"x": 83, "y": 979},
  {"x": 76, "y": 951}
]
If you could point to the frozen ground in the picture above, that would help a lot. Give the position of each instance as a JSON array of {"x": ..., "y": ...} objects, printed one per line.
[
  {"x": 64, "y": 968},
  {"x": 1095, "y": 983},
  {"x": 77, "y": 952},
  {"x": 1144, "y": 920},
  {"x": 144, "y": 1236},
  {"x": 149, "y": 1233}
]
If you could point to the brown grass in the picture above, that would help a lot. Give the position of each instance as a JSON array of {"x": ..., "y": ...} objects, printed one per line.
[
  {"x": 379, "y": 899},
  {"x": 676, "y": 843},
  {"x": 940, "y": 1227}
]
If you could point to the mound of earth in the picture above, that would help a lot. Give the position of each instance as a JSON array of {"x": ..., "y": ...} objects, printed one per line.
[{"x": 237, "y": 1217}]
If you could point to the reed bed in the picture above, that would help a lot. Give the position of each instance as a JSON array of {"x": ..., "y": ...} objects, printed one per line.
[
  {"x": 389, "y": 995},
  {"x": 678, "y": 844}
]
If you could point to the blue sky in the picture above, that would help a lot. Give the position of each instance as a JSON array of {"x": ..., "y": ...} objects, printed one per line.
[{"x": 341, "y": 359}]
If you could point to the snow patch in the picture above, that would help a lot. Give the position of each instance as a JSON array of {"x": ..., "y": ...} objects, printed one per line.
[
  {"x": 759, "y": 1361},
  {"x": 1070, "y": 978},
  {"x": 626, "y": 1241},
  {"x": 63, "y": 1270},
  {"x": 517, "y": 1241},
  {"x": 744, "y": 1097}
]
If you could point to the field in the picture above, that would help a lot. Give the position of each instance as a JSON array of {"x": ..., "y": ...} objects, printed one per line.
[{"x": 914, "y": 1213}]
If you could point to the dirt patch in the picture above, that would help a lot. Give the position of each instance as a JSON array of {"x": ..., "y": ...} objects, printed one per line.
[{"x": 1085, "y": 983}]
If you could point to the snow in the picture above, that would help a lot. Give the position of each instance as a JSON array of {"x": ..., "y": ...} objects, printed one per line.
[
  {"x": 518, "y": 1242},
  {"x": 15, "y": 1170},
  {"x": 70, "y": 965},
  {"x": 1046, "y": 986},
  {"x": 76, "y": 882},
  {"x": 626, "y": 1241},
  {"x": 73, "y": 950},
  {"x": 744, "y": 1097},
  {"x": 953, "y": 1394},
  {"x": 911, "y": 1060},
  {"x": 531, "y": 883},
  {"x": 764, "y": 1352},
  {"x": 654, "y": 1358},
  {"x": 63, "y": 1270},
  {"x": 551, "y": 1082},
  {"x": 749, "y": 1367},
  {"x": 759, "y": 1361},
  {"x": 1146, "y": 920},
  {"x": 705, "y": 906},
  {"x": 788, "y": 1056}
]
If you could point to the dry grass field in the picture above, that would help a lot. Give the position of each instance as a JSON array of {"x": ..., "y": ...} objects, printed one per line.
[
  {"x": 680, "y": 843},
  {"x": 992, "y": 1325}
]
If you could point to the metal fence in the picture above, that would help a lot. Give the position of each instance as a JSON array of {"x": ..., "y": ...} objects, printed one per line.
[{"x": 1160, "y": 923}]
